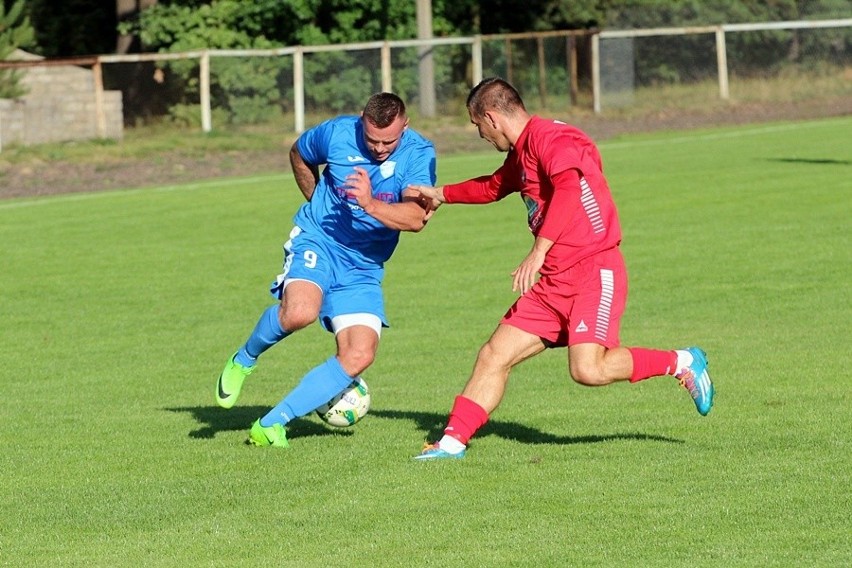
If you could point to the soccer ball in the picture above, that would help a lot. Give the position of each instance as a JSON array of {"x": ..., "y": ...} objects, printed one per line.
[{"x": 348, "y": 407}]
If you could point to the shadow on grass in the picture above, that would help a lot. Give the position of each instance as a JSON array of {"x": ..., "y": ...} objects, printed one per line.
[
  {"x": 213, "y": 419},
  {"x": 433, "y": 424},
  {"x": 815, "y": 161}
]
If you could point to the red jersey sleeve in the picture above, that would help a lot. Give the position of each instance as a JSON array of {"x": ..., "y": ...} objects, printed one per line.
[
  {"x": 484, "y": 189},
  {"x": 566, "y": 194}
]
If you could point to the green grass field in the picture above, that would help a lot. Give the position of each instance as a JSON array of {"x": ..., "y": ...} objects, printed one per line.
[{"x": 119, "y": 310}]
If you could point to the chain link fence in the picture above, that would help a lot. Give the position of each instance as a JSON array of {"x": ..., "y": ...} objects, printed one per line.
[{"x": 693, "y": 68}]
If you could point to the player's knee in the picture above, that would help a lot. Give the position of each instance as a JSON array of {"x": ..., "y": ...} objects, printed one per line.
[
  {"x": 587, "y": 373},
  {"x": 355, "y": 360},
  {"x": 491, "y": 358},
  {"x": 295, "y": 317}
]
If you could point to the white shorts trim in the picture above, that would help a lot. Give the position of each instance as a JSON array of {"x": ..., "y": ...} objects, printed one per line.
[
  {"x": 286, "y": 281},
  {"x": 341, "y": 322},
  {"x": 281, "y": 282}
]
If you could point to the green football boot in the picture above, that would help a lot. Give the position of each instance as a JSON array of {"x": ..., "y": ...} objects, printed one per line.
[
  {"x": 274, "y": 435},
  {"x": 231, "y": 382}
]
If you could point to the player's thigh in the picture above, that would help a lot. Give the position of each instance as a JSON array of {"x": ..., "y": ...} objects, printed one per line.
[
  {"x": 300, "y": 304},
  {"x": 508, "y": 346},
  {"x": 534, "y": 314},
  {"x": 308, "y": 272}
]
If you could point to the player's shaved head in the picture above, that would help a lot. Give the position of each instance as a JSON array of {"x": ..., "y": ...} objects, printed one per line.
[
  {"x": 496, "y": 94},
  {"x": 383, "y": 108}
]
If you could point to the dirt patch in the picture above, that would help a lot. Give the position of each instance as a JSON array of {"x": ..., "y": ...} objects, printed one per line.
[
  {"x": 55, "y": 177},
  {"x": 51, "y": 178}
]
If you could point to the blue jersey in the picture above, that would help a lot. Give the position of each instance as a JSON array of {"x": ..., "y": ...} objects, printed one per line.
[{"x": 339, "y": 144}]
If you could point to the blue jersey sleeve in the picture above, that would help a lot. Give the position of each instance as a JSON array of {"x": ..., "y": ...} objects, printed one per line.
[
  {"x": 420, "y": 163},
  {"x": 314, "y": 143}
]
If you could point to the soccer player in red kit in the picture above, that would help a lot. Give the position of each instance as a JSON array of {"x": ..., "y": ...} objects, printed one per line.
[{"x": 581, "y": 293}]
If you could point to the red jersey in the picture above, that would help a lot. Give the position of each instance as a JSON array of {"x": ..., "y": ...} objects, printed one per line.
[{"x": 558, "y": 171}]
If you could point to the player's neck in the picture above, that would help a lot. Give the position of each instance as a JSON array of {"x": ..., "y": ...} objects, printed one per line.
[{"x": 515, "y": 126}]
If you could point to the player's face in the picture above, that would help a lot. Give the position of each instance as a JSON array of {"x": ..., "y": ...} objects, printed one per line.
[
  {"x": 381, "y": 142},
  {"x": 488, "y": 131}
]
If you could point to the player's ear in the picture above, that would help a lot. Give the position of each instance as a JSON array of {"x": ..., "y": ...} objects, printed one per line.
[{"x": 491, "y": 117}]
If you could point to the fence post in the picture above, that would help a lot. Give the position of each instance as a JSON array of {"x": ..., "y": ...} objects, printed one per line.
[
  {"x": 299, "y": 90},
  {"x": 100, "y": 114},
  {"x": 426, "y": 59},
  {"x": 387, "y": 77},
  {"x": 722, "y": 63},
  {"x": 476, "y": 60},
  {"x": 542, "y": 74},
  {"x": 204, "y": 85},
  {"x": 571, "y": 53},
  {"x": 509, "y": 71},
  {"x": 596, "y": 72}
]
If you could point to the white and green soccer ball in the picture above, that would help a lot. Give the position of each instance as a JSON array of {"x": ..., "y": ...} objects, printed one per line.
[{"x": 348, "y": 407}]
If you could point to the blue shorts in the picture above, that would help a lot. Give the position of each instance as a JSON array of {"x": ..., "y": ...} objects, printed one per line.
[{"x": 346, "y": 288}]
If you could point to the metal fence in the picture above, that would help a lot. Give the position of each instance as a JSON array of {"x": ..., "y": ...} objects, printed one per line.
[
  {"x": 556, "y": 72},
  {"x": 312, "y": 82}
]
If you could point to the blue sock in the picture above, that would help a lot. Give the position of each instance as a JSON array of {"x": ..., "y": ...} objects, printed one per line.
[
  {"x": 320, "y": 385},
  {"x": 266, "y": 333}
]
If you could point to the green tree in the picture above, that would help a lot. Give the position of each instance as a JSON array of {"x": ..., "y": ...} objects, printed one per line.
[
  {"x": 15, "y": 32},
  {"x": 245, "y": 88},
  {"x": 73, "y": 27}
]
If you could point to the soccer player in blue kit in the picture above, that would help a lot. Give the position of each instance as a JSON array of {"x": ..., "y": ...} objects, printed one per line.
[{"x": 334, "y": 258}]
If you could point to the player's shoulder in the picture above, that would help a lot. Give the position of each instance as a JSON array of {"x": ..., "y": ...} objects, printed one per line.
[
  {"x": 340, "y": 122},
  {"x": 549, "y": 131},
  {"x": 336, "y": 130},
  {"x": 324, "y": 141},
  {"x": 414, "y": 141},
  {"x": 555, "y": 125}
]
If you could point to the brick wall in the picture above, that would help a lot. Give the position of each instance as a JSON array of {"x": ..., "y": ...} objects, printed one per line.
[{"x": 59, "y": 106}]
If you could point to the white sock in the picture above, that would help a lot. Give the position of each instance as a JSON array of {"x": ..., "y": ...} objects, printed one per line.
[
  {"x": 451, "y": 445},
  {"x": 684, "y": 360}
]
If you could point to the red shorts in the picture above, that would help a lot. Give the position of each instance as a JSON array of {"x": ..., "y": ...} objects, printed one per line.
[{"x": 583, "y": 304}]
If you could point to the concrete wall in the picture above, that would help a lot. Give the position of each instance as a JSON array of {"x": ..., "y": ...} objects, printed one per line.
[{"x": 59, "y": 106}]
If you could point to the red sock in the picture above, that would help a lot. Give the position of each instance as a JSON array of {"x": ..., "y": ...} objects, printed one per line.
[
  {"x": 466, "y": 418},
  {"x": 649, "y": 363}
]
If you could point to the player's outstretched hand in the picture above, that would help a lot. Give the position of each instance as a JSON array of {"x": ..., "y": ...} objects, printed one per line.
[
  {"x": 434, "y": 196},
  {"x": 425, "y": 203}
]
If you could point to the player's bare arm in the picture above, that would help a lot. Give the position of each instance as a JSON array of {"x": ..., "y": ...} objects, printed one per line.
[
  {"x": 307, "y": 175},
  {"x": 411, "y": 214},
  {"x": 524, "y": 276}
]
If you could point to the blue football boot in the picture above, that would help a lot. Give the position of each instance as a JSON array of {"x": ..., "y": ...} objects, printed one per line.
[{"x": 696, "y": 380}]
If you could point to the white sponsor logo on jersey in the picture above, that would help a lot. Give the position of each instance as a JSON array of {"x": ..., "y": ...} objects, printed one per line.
[{"x": 387, "y": 169}]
